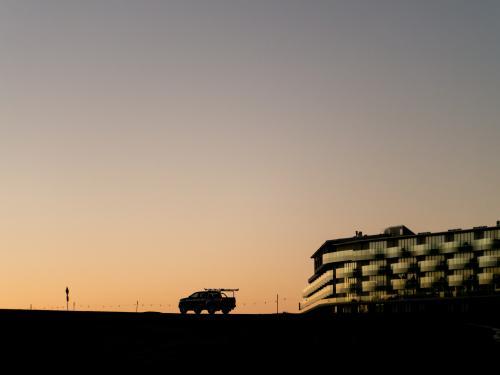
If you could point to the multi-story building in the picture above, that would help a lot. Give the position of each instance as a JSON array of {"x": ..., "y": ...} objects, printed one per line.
[{"x": 368, "y": 272}]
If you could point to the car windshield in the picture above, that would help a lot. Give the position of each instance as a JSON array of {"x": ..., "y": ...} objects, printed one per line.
[{"x": 194, "y": 295}]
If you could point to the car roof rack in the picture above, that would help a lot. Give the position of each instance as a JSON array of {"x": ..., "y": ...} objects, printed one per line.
[{"x": 221, "y": 290}]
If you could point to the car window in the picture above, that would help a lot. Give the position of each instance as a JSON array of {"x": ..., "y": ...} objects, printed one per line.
[{"x": 194, "y": 295}]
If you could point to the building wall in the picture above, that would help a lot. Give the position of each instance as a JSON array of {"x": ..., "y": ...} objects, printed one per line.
[{"x": 456, "y": 263}]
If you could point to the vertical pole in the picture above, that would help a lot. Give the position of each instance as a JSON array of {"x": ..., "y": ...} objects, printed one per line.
[
  {"x": 277, "y": 304},
  {"x": 67, "y": 299},
  {"x": 137, "y": 306}
]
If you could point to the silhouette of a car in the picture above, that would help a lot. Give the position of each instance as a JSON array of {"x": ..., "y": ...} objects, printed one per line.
[{"x": 212, "y": 300}]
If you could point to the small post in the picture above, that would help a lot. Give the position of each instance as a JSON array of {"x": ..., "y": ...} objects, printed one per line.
[
  {"x": 67, "y": 299},
  {"x": 137, "y": 306},
  {"x": 277, "y": 304},
  {"x": 74, "y": 305}
]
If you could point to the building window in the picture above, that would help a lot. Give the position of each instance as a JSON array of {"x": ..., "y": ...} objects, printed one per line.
[
  {"x": 421, "y": 240},
  {"x": 449, "y": 237},
  {"x": 392, "y": 243},
  {"x": 317, "y": 262},
  {"x": 478, "y": 235}
]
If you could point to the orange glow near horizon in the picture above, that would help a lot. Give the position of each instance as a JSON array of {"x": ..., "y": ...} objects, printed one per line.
[{"x": 157, "y": 149}]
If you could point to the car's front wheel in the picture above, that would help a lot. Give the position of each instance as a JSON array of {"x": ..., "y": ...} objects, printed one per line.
[
  {"x": 197, "y": 311},
  {"x": 183, "y": 310}
]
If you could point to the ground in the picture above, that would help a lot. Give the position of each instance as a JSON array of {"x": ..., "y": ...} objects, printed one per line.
[{"x": 56, "y": 339}]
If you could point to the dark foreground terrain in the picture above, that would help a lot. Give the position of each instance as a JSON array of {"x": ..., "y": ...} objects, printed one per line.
[{"x": 75, "y": 340}]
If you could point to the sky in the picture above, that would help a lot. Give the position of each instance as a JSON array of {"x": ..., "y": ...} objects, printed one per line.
[{"x": 149, "y": 149}]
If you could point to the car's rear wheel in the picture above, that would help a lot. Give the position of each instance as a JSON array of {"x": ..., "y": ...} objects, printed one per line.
[
  {"x": 225, "y": 311},
  {"x": 183, "y": 311},
  {"x": 211, "y": 311},
  {"x": 197, "y": 311}
]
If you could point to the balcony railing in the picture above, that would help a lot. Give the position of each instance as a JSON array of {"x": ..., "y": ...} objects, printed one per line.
[
  {"x": 338, "y": 256},
  {"x": 372, "y": 270},
  {"x": 378, "y": 253},
  {"x": 463, "y": 261},
  {"x": 486, "y": 278},
  {"x": 346, "y": 287},
  {"x": 423, "y": 249},
  {"x": 488, "y": 261},
  {"x": 372, "y": 285},
  {"x": 485, "y": 244},
  {"x": 341, "y": 288},
  {"x": 394, "y": 252},
  {"x": 449, "y": 247},
  {"x": 398, "y": 284},
  {"x": 318, "y": 283},
  {"x": 400, "y": 267},
  {"x": 429, "y": 281},
  {"x": 364, "y": 255},
  {"x": 430, "y": 265},
  {"x": 323, "y": 293},
  {"x": 344, "y": 272},
  {"x": 456, "y": 280}
]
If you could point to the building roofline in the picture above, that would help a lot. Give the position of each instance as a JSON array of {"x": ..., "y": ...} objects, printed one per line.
[{"x": 364, "y": 238}]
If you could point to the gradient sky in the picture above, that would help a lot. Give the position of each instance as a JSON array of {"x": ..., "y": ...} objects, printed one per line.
[{"x": 152, "y": 148}]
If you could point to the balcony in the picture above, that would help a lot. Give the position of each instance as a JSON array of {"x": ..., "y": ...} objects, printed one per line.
[
  {"x": 372, "y": 270},
  {"x": 338, "y": 256},
  {"x": 460, "y": 263},
  {"x": 346, "y": 287},
  {"x": 488, "y": 261},
  {"x": 369, "y": 286},
  {"x": 429, "y": 281},
  {"x": 449, "y": 247},
  {"x": 423, "y": 249},
  {"x": 363, "y": 255},
  {"x": 377, "y": 253},
  {"x": 345, "y": 272},
  {"x": 398, "y": 284},
  {"x": 456, "y": 280},
  {"x": 372, "y": 285},
  {"x": 322, "y": 302},
  {"x": 394, "y": 252},
  {"x": 400, "y": 267},
  {"x": 486, "y": 278},
  {"x": 430, "y": 265},
  {"x": 318, "y": 283},
  {"x": 341, "y": 288},
  {"x": 323, "y": 293},
  {"x": 485, "y": 244}
]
